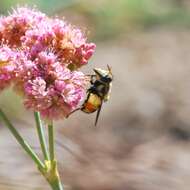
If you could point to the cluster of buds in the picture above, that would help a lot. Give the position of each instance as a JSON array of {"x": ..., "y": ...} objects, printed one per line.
[{"x": 40, "y": 57}]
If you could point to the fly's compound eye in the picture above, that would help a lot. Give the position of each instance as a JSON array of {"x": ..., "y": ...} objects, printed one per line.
[{"x": 106, "y": 79}]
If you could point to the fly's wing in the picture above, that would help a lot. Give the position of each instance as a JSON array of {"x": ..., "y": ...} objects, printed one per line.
[
  {"x": 98, "y": 114},
  {"x": 107, "y": 96}
]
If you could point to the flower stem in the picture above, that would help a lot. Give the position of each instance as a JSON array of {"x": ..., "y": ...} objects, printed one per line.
[
  {"x": 56, "y": 185},
  {"x": 51, "y": 141},
  {"x": 21, "y": 141},
  {"x": 53, "y": 177},
  {"x": 41, "y": 135},
  {"x": 49, "y": 171}
]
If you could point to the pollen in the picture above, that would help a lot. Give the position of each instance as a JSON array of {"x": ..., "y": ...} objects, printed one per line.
[{"x": 3, "y": 63}]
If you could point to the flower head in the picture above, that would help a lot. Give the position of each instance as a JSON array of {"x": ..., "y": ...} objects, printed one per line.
[
  {"x": 66, "y": 41},
  {"x": 41, "y": 56},
  {"x": 55, "y": 91}
]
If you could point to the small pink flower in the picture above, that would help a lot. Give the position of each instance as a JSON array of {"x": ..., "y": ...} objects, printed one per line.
[
  {"x": 83, "y": 53},
  {"x": 7, "y": 66}
]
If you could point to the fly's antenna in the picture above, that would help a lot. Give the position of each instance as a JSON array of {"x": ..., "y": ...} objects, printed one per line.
[{"x": 110, "y": 70}]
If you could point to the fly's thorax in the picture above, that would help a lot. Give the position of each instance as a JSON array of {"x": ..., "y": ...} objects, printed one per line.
[{"x": 100, "y": 72}]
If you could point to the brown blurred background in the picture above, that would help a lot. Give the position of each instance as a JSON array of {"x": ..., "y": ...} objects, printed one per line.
[{"x": 142, "y": 141}]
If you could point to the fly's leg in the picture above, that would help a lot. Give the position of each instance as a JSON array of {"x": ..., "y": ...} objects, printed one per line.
[
  {"x": 92, "y": 78},
  {"x": 73, "y": 111},
  {"x": 81, "y": 107}
]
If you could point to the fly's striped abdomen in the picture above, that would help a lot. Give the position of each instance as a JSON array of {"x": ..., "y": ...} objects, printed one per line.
[{"x": 92, "y": 103}]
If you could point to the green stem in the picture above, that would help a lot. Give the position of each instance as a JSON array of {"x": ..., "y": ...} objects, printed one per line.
[
  {"x": 49, "y": 171},
  {"x": 53, "y": 177},
  {"x": 51, "y": 141},
  {"x": 41, "y": 135},
  {"x": 56, "y": 185},
  {"x": 21, "y": 141},
  {"x": 51, "y": 174}
]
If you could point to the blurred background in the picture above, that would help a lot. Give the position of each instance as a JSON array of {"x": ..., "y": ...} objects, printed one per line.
[{"x": 142, "y": 141}]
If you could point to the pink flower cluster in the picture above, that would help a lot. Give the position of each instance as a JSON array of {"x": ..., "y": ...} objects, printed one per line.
[{"x": 40, "y": 57}]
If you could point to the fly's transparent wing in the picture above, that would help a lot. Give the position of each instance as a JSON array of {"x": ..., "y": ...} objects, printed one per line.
[{"x": 98, "y": 114}]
